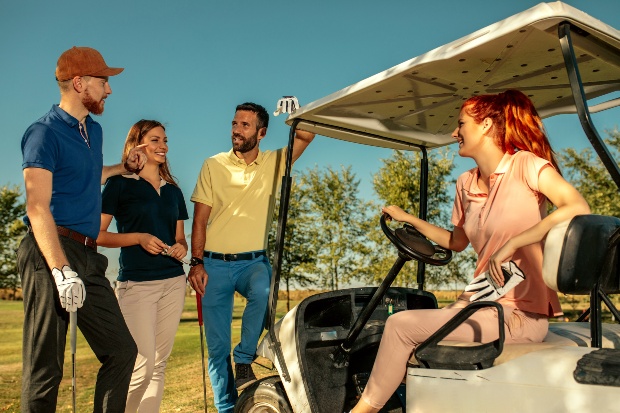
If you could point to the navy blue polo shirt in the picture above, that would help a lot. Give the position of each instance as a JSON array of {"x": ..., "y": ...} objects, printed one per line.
[
  {"x": 137, "y": 207},
  {"x": 55, "y": 143}
]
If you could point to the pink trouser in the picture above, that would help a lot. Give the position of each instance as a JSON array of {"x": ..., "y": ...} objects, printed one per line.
[
  {"x": 406, "y": 329},
  {"x": 152, "y": 311}
]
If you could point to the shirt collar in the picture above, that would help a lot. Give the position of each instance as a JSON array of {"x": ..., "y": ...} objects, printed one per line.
[
  {"x": 472, "y": 186},
  {"x": 68, "y": 119},
  {"x": 162, "y": 181},
  {"x": 238, "y": 161}
]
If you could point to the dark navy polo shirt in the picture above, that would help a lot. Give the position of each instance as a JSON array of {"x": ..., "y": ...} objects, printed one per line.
[
  {"x": 54, "y": 143},
  {"x": 137, "y": 207}
]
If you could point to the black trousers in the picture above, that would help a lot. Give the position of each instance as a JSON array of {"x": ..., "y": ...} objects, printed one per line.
[{"x": 45, "y": 329}]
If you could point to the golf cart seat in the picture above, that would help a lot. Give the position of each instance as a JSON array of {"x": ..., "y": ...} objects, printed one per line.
[{"x": 580, "y": 258}]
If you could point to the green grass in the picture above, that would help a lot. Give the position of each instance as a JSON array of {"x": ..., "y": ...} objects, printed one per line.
[{"x": 183, "y": 391}]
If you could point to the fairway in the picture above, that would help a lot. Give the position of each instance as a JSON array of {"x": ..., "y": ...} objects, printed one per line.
[{"x": 183, "y": 390}]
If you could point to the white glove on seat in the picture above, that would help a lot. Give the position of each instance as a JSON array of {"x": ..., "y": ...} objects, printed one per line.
[
  {"x": 70, "y": 288},
  {"x": 485, "y": 287},
  {"x": 288, "y": 104}
]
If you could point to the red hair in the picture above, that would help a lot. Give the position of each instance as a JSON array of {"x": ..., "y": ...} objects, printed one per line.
[{"x": 516, "y": 123}]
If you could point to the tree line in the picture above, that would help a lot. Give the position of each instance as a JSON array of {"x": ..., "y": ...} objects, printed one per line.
[{"x": 333, "y": 237}]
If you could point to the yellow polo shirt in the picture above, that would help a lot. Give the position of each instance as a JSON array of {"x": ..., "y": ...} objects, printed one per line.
[{"x": 241, "y": 197}]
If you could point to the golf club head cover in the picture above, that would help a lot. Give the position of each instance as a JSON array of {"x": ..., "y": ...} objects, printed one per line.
[
  {"x": 288, "y": 104},
  {"x": 70, "y": 288},
  {"x": 486, "y": 289}
]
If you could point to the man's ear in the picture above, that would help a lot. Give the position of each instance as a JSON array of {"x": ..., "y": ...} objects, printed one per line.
[
  {"x": 262, "y": 132},
  {"x": 78, "y": 83}
]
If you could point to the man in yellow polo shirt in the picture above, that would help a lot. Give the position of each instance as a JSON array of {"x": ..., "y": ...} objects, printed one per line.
[{"x": 234, "y": 199}]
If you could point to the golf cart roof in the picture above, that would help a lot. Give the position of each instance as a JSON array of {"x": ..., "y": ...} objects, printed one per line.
[{"x": 417, "y": 103}]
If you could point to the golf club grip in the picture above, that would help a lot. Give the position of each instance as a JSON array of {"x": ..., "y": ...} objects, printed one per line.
[
  {"x": 199, "y": 308},
  {"x": 73, "y": 330}
]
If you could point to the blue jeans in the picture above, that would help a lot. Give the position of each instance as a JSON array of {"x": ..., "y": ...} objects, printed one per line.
[{"x": 251, "y": 278}]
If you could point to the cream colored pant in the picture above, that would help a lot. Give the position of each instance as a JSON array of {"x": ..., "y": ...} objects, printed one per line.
[
  {"x": 405, "y": 330},
  {"x": 152, "y": 311}
]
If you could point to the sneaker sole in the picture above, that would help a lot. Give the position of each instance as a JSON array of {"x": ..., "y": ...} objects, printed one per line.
[{"x": 246, "y": 384}]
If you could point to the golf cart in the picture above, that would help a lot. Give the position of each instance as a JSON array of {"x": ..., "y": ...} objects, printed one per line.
[{"x": 324, "y": 348}]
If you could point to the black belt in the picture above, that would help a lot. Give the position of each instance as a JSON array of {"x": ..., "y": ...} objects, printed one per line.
[{"x": 234, "y": 257}]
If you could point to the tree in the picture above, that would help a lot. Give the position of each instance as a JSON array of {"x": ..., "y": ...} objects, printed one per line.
[
  {"x": 297, "y": 237},
  {"x": 590, "y": 177},
  {"x": 340, "y": 220},
  {"x": 398, "y": 183},
  {"x": 12, "y": 229}
]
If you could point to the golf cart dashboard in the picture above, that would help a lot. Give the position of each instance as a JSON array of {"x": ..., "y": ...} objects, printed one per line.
[{"x": 327, "y": 317}]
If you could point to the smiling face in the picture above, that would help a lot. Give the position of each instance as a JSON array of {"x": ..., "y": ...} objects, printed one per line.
[
  {"x": 469, "y": 134},
  {"x": 245, "y": 131},
  {"x": 157, "y": 145}
]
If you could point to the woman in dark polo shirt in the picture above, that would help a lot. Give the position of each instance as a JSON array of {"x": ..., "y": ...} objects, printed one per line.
[{"x": 149, "y": 210}]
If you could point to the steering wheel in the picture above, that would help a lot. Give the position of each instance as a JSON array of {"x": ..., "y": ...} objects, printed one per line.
[{"x": 414, "y": 245}]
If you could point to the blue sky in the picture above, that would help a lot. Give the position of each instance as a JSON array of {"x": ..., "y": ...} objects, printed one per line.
[{"x": 189, "y": 63}]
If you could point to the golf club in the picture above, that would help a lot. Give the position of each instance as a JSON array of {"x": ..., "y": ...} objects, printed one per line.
[
  {"x": 73, "y": 339},
  {"x": 202, "y": 348}
]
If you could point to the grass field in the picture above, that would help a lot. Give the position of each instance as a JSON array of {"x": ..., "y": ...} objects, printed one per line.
[{"x": 183, "y": 390}]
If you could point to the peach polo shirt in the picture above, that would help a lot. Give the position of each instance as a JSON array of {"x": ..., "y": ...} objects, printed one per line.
[
  {"x": 513, "y": 205},
  {"x": 242, "y": 199}
]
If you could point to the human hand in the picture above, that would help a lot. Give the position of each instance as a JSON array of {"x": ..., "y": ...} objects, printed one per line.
[
  {"x": 177, "y": 251},
  {"x": 70, "y": 288},
  {"x": 288, "y": 104},
  {"x": 136, "y": 159},
  {"x": 485, "y": 288},
  {"x": 396, "y": 213},
  {"x": 151, "y": 243},
  {"x": 496, "y": 260},
  {"x": 198, "y": 278}
]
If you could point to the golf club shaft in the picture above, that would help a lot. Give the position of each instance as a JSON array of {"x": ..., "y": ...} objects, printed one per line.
[
  {"x": 73, "y": 339},
  {"x": 202, "y": 348}
]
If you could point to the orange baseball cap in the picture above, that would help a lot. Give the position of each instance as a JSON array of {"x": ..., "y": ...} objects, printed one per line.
[{"x": 83, "y": 61}]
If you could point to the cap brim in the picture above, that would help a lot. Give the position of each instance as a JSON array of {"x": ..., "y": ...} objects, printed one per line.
[{"x": 110, "y": 71}]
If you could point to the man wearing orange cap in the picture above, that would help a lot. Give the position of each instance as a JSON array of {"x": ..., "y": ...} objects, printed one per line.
[{"x": 60, "y": 268}]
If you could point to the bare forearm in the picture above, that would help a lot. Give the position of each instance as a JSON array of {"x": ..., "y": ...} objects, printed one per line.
[
  {"x": 114, "y": 240},
  {"x": 111, "y": 170},
  {"x": 46, "y": 235},
  {"x": 199, "y": 238},
  {"x": 440, "y": 236},
  {"x": 539, "y": 231}
]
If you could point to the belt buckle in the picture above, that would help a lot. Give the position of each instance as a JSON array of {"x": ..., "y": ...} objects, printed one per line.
[{"x": 225, "y": 257}]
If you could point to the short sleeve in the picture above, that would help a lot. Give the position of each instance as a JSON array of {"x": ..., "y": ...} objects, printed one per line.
[
  {"x": 527, "y": 167},
  {"x": 458, "y": 211},
  {"x": 203, "y": 192},
  {"x": 183, "y": 215},
  {"x": 110, "y": 195},
  {"x": 39, "y": 148}
]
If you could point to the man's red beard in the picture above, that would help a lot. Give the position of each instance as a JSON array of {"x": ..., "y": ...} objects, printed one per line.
[{"x": 93, "y": 106}]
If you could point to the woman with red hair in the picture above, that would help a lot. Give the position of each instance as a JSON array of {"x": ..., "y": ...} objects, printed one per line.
[{"x": 501, "y": 209}]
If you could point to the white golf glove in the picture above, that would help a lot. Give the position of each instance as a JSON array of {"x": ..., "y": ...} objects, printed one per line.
[
  {"x": 70, "y": 288},
  {"x": 485, "y": 287},
  {"x": 288, "y": 104}
]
